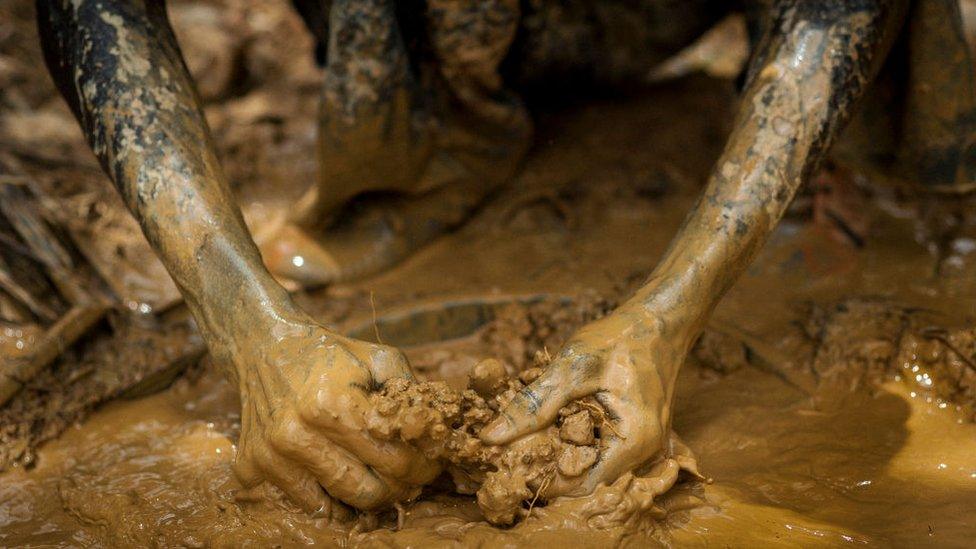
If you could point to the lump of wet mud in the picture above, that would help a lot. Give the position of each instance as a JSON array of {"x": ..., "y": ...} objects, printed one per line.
[
  {"x": 520, "y": 332},
  {"x": 510, "y": 481},
  {"x": 444, "y": 424}
]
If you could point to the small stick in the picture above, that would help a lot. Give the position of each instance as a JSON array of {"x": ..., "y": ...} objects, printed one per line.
[
  {"x": 550, "y": 475},
  {"x": 376, "y": 326},
  {"x": 940, "y": 337},
  {"x": 401, "y": 515},
  {"x": 24, "y": 297},
  {"x": 603, "y": 419},
  {"x": 16, "y": 373},
  {"x": 20, "y": 211}
]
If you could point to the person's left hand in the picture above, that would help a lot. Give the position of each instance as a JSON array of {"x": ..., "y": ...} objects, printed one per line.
[{"x": 628, "y": 361}]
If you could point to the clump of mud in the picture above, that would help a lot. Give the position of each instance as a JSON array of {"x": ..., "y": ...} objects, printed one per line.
[
  {"x": 445, "y": 423},
  {"x": 868, "y": 341},
  {"x": 521, "y": 332}
]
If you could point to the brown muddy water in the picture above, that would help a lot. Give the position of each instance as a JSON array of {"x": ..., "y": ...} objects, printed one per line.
[{"x": 804, "y": 446}]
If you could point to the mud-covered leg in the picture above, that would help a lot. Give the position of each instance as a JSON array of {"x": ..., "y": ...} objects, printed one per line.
[
  {"x": 374, "y": 135},
  {"x": 414, "y": 136},
  {"x": 805, "y": 76},
  {"x": 939, "y": 125},
  {"x": 373, "y": 130}
]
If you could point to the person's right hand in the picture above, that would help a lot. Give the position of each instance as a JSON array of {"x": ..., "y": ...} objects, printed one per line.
[{"x": 304, "y": 395}]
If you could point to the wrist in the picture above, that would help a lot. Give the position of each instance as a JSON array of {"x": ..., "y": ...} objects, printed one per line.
[
  {"x": 243, "y": 331},
  {"x": 249, "y": 309},
  {"x": 666, "y": 317}
]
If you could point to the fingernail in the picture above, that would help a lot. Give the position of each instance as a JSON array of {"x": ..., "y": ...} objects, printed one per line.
[{"x": 495, "y": 431}]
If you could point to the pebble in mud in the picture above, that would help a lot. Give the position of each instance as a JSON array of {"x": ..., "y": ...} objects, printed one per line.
[
  {"x": 487, "y": 376},
  {"x": 573, "y": 460},
  {"x": 578, "y": 429}
]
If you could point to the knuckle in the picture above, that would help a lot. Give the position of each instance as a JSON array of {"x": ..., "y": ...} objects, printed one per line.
[
  {"x": 396, "y": 467},
  {"x": 583, "y": 366},
  {"x": 263, "y": 458},
  {"x": 530, "y": 399},
  {"x": 513, "y": 423},
  {"x": 246, "y": 473},
  {"x": 372, "y": 497},
  {"x": 242, "y": 468},
  {"x": 316, "y": 410},
  {"x": 361, "y": 494},
  {"x": 390, "y": 356},
  {"x": 287, "y": 436},
  {"x": 367, "y": 501}
]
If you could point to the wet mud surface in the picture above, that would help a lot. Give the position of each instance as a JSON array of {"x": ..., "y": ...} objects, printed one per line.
[
  {"x": 811, "y": 434},
  {"x": 830, "y": 400}
]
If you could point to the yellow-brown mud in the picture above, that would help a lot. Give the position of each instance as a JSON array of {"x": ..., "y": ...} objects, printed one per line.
[
  {"x": 807, "y": 400},
  {"x": 848, "y": 463}
]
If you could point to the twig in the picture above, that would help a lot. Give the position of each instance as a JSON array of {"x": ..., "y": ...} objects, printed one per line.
[
  {"x": 24, "y": 297},
  {"x": 376, "y": 326},
  {"x": 401, "y": 515},
  {"x": 20, "y": 211},
  {"x": 936, "y": 335},
  {"x": 543, "y": 486},
  {"x": 604, "y": 422},
  {"x": 16, "y": 373}
]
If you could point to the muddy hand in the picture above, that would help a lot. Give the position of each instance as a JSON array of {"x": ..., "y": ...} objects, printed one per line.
[
  {"x": 811, "y": 66},
  {"x": 628, "y": 363},
  {"x": 303, "y": 430}
]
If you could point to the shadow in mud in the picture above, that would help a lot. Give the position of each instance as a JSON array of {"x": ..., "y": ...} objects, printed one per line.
[{"x": 769, "y": 446}]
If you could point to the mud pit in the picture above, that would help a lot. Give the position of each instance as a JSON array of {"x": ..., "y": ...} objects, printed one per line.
[{"x": 830, "y": 400}]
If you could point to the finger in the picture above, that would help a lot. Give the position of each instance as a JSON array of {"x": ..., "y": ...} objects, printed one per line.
[
  {"x": 629, "y": 447},
  {"x": 390, "y": 458},
  {"x": 339, "y": 472},
  {"x": 661, "y": 477},
  {"x": 537, "y": 405},
  {"x": 345, "y": 425},
  {"x": 684, "y": 456},
  {"x": 614, "y": 461},
  {"x": 299, "y": 485},
  {"x": 388, "y": 363}
]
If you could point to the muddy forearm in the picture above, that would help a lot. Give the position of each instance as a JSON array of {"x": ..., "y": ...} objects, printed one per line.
[
  {"x": 118, "y": 66},
  {"x": 804, "y": 79}
]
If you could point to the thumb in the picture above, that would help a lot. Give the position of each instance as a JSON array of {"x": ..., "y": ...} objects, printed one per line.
[
  {"x": 388, "y": 363},
  {"x": 534, "y": 407}
]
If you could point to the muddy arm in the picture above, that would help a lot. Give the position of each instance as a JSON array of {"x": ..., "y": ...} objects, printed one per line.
[
  {"x": 303, "y": 388},
  {"x": 805, "y": 76},
  {"x": 118, "y": 65}
]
